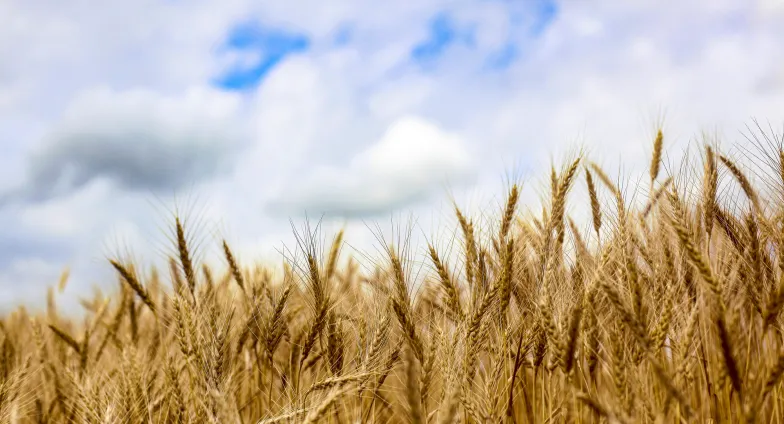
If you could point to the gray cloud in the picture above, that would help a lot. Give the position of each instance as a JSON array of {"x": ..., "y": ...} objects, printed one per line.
[{"x": 137, "y": 140}]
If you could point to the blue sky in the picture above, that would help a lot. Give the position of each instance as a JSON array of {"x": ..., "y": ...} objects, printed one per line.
[
  {"x": 272, "y": 47},
  {"x": 256, "y": 112},
  {"x": 264, "y": 46}
]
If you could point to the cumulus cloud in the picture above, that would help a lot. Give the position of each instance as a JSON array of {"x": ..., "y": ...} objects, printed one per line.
[
  {"x": 138, "y": 140},
  {"x": 413, "y": 158}
]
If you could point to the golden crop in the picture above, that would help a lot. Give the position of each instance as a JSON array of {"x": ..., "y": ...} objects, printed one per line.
[{"x": 664, "y": 313}]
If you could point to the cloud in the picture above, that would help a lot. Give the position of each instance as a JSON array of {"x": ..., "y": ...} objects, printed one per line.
[
  {"x": 442, "y": 32},
  {"x": 516, "y": 83},
  {"x": 502, "y": 58},
  {"x": 19, "y": 244},
  {"x": 412, "y": 159},
  {"x": 256, "y": 50},
  {"x": 24, "y": 282},
  {"x": 545, "y": 12},
  {"x": 139, "y": 140},
  {"x": 343, "y": 34},
  {"x": 530, "y": 21}
]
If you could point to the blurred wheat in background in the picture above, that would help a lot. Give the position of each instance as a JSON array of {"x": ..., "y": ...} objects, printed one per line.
[{"x": 666, "y": 310}]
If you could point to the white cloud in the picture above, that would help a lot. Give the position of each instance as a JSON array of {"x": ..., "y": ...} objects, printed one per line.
[
  {"x": 399, "y": 97},
  {"x": 413, "y": 158},
  {"x": 771, "y": 6}
]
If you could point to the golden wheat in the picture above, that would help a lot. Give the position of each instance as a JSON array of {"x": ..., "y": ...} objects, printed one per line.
[{"x": 528, "y": 323}]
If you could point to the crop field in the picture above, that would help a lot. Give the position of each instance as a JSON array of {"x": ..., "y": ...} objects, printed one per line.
[{"x": 664, "y": 310}]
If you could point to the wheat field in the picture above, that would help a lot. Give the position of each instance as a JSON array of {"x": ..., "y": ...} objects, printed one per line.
[{"x": 662, "y": 311}]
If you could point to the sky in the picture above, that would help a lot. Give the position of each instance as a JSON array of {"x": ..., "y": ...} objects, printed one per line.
[{"x": 249, "y": 116}]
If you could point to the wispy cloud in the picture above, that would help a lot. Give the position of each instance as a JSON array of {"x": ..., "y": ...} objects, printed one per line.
[
  {"x": 545, "y": 12},
  {"x": 525, "y": 27},
  {"x": 254, "y": 50},
  {"x": 498, "y": 33},
  {"x": 343, "y": 34},
  {"x": 503, "y": 58},
  {"x": 443, "y": 32}
]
